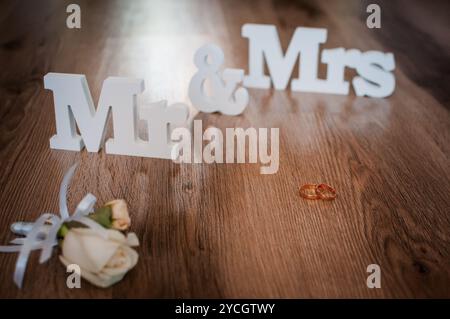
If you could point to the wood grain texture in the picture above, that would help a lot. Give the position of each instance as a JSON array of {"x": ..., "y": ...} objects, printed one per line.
[{"x": 226, "y": 230}]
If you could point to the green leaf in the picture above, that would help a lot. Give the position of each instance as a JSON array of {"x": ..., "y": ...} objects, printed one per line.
[
  {"x": 63, "y": 230},
  {"x": 103, "y": 216}
]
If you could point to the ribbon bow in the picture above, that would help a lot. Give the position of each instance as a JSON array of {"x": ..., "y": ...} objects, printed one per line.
[{"x": 39, "y": 237}]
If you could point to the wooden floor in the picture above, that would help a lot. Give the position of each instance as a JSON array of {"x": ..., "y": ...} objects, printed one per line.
[{"x": 225, "y": 230}]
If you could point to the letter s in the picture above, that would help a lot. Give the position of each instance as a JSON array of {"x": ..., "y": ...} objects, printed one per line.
[{"x": 376, "y": 79}]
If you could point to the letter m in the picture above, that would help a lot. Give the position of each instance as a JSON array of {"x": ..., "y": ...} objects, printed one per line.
[
  {"x": 74, "y": 107},
  {"x": 264, "y": 43}
]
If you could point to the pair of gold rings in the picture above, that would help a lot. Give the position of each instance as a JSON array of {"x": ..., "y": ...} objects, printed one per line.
[{"x": 317, "y": 191}]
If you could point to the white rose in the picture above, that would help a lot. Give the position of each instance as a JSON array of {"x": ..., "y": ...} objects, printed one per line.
[
  {"x": 104, "y": 258},
  {"x": 120, "y": 217}
]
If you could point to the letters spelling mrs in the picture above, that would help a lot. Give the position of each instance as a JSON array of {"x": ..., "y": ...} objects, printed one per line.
[{"x": 74, "y": 106}]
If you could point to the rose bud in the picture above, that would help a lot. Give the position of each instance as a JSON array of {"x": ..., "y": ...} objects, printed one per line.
[
  {"x": 103, "y": 260},
  {"x": 119, "y": 214}
]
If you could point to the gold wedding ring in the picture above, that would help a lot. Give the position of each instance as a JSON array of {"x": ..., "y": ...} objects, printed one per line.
[
  {"x": 326, "y": 192},
  {"x": 317, "y": 191},
  {"x": 308, "y": 191}
]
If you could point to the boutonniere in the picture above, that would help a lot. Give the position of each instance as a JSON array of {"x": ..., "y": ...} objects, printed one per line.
[{"x": 95, "y": 240}]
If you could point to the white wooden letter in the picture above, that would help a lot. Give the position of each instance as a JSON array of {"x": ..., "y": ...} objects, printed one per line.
[
  {"x": 264, "y": 43},
  {"x": 74, "y": 105},
  {"x": 375, "y": 78},
  {"x": 226, "y": 97},
  {"x": 161, "y": 121}
]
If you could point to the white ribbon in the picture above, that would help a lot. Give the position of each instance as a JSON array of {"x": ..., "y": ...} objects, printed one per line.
[{"x": 37, "y": 239}]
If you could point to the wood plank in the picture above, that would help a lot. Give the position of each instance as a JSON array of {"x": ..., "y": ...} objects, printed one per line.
[{"x": 225, "y": 230}]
